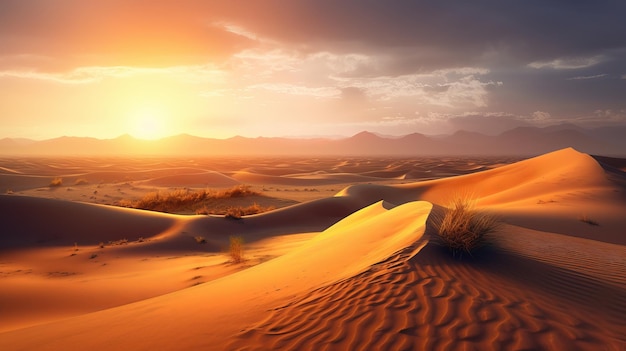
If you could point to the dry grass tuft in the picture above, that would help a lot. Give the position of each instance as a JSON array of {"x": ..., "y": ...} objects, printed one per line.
[
  {"x": 235, "y": 212},
  {"x": 463, "y": 229},
  {"x": 235, "y": 249},
  {"x": 56, "y": 182},
  {"x": 183, "y": 199},
  {"x": 586, "y": 219}
]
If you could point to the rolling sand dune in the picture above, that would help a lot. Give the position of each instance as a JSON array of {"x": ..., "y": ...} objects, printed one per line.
[
  {"x": 303, "y": 179},
  {"x": 35, "y": 222},
  {"x": 204, "y": 179},
  {"x": 352, "y": 271}
]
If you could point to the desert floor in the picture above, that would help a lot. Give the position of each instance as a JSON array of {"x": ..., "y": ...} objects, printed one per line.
[{"x": 346, "y": 260}]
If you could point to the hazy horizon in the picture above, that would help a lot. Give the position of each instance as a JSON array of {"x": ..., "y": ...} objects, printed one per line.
[
  {"x": 304, "y": 137},
  {"x": 217, "y": 69}
]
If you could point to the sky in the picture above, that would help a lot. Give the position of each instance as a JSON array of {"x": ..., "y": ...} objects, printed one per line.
[{"x": 306, "y": 68}]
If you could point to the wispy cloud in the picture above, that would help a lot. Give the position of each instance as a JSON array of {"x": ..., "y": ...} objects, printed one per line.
[
  {"x": 588, "y": 77},
  {"x": 568, "y": 63},
  {"x": 291, "y": 89},
  {"x": 440, "y": 88},
  {"x": 87, "y": 75},
  {"x": 237, "y": 30}
]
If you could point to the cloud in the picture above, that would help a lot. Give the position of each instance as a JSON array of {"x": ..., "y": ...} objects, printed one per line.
[
  {"x": 237, "y": 30},
  {"x": 290, "y": 89},
  {"x": 87, "y": 75},
  {"x": 568, "y": 63},
  {"x": 541, "y": 116},
  {"x": 595, "y": 76},
  {"x": 454, "y": 62},
  {"x": 439, "y": 88},
  {"x": 609, "y": 115}
]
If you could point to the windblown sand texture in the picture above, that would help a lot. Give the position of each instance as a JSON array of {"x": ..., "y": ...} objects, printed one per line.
[{"x": 336, "y": 267}]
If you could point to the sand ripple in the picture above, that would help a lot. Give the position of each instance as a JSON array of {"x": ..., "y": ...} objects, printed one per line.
[{"x": 430, "y": 302}]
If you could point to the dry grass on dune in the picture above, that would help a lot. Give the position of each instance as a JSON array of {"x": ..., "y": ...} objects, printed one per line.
[
  {"x": 56, "y": 182},
  {"x": 462, "y": 228},
  {"x": 182, "y": 199},
  {"x": 235, "y": 249},
  {"x": 235, "y": 212}
]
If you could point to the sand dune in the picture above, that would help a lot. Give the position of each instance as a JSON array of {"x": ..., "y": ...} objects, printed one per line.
[
  {"x": 303, "y": 179},
  {"x": 352, "y": 271},
  {"x": 43, "y": 222},
  {"x": 195, "y": 180}
]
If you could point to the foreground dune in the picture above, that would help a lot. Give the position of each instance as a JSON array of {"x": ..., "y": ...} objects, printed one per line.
[{"x": 353, "y": 271}]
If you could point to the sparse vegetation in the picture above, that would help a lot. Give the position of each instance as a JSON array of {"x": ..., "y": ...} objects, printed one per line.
[
  {"x": 236, "y": 212},
  {"x": 119, "y": 242},
  {"x": 586, "y": 219},
  {"x": 56, "y": 182},
  {"x": 235, "y": 249},
  {"x": 181, "y": 199},
  {"x": 463, "y": 229},
  {"x": 200, "y": 239}
]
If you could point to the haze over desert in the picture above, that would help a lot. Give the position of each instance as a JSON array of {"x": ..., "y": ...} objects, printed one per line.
[{"x": 312, "y": 175}]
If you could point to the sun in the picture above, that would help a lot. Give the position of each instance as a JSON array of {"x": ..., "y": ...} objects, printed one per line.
[{"x": 149, "y": 123}]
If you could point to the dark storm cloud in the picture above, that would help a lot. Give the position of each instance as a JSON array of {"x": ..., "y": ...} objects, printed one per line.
[{"x": 430, "y": 35}]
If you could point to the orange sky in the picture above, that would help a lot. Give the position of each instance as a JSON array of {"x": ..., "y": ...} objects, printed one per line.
[{"x": 275, "y": 68}]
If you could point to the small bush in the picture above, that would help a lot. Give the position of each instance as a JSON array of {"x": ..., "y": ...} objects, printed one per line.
[
  {"x": 235, "y": 212},
  {"x": 56, "y": 182},
  {"x": 118, "y": 242},
  {"x": 200, "y": 239},
  {"x": 235, "y": 249},
  {"x": 463, "y": 229},
  {"x": 181, "y": 199}
]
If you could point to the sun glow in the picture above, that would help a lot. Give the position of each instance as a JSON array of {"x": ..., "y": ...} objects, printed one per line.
[{"x": 149, "y": 123}]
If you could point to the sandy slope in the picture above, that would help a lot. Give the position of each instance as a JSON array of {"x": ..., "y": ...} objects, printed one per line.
[{"x": 359, "y": 273}]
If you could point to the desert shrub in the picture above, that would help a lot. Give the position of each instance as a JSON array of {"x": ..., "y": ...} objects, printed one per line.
[
  {"x": 180, "y": 199},
  {"x": 118, "y": 242},
  {"x": 56, "y": 182},
  {"x": 236, "y": 191},
  {"x": 235, "y": 249},
  {"x": 235, "y": 212},
  {"x": 463, "y": 229},
  {"x": 200, "y": 239}
]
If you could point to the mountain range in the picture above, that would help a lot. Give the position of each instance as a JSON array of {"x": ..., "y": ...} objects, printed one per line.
[{"x": 608, "y": 141}]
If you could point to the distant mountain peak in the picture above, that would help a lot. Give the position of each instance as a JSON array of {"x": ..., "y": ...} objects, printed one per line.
[{"x": 365, "y": 135}]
